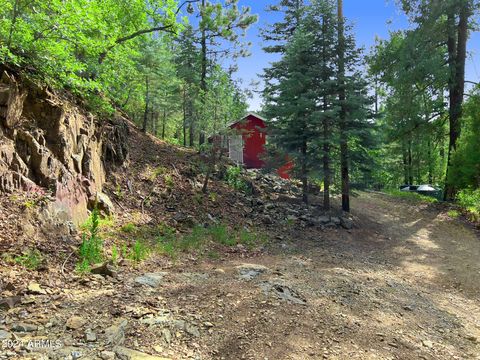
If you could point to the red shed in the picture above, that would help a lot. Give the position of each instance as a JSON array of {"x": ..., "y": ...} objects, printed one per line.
[{"x": 248, "y": 146}]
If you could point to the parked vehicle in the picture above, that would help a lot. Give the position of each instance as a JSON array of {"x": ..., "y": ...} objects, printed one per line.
[{"x": 425, "y": 189}]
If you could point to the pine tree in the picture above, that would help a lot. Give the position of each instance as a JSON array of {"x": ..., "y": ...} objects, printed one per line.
[{"x": 294, "y": 105}]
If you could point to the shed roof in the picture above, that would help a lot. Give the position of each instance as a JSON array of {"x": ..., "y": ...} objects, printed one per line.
[{"x": 251, "y": 113}]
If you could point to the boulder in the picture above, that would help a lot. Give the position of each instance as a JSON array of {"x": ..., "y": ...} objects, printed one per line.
[
  {"x": 346, "y": 223},
  {"x": 151, "y": 279},
  {"x": 75, "y": 322},
  {"x": 115, "y": 334}
]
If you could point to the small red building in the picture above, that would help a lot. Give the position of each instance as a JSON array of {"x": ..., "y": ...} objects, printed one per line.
[{"x": 247, "y": 144}]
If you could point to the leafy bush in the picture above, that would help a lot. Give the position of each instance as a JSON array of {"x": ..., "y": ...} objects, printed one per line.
[
  {"x": 469, "y": 199},
  {"x": 91, "y": 249},
  {"x": 234, "y": 179}
]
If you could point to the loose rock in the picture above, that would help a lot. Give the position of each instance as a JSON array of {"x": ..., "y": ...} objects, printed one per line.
[
  {"x": 151, "y": 279},
  {"x": 75, "y": 322},
  {"x": 35, "y": 289}
]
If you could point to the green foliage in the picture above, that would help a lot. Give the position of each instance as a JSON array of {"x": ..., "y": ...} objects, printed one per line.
[
  {"x": 303, "y": 89},
  {"x": 465, "y": 170},
  {"x": 139, "y": 251},
  {"x": 129, "y": 228},
  {"x": 453, "y": 214},
  {"x": 233, "y": 177},
  {"x": 91, "y": 249},
  {"x": 411, "y": 129},
  {"x": 80, "y": 45},
  {"x": 103, "y": 223},
  {"x": 169, "y": 183},
  {"x": 469, "y": 199},
  {"x": 31, "y": 259},
  {"x": 115, "y": 254},
  {"x": 411, "y": 196},
  {"x": 220, "y": 234},
  {"x": 200, "y": 238}
]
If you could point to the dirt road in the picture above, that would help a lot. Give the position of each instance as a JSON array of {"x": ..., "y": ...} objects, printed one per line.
[{"x": 404, "y": 284}]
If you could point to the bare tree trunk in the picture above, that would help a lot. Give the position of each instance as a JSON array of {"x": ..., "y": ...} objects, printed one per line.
[
  {"x": 410, "y": 165},
  {"x": 457, "y": 50},
  {"x": 191, "y": 130},
  {"x": 203, "y": 78},
  {"x": 326, "y": 166},
  {"x": 147, "y": 99},
  {"x": 211, "y": 165},
  {"x": 326, "y": 139},
  {"x": 344, "y": 157},
  {"x": 405, "y": 164},
  {"x": 184, "y": 117},
  {"x": 304, "y": 174},
  {"x": 164, "y": 123}
]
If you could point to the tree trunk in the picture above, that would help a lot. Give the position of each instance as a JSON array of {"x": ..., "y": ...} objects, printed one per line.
[
  {"x": 147, "y": 99},
  {"x": 457, "y": 51},
  {"x": 191, "y": 131},
  {"x": 344, "y": 166},
  {"x": 410, "y": 165},
  {"x": 164, "y": 123},
  {"x": 203, "y": 77},
  {"x": 304, "y": 174},
  {"x": 405, "y": 164},
  {"x": 184, "y": 118},
  {"x": 326, "y": 166},
  {"x": 430, "y": 161}
]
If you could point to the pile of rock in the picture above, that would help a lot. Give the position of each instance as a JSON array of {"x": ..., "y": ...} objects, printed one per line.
[{"x": 276, "y": 200}]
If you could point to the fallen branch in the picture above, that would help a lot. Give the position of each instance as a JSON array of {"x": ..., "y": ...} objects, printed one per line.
[{"x": 65, "y": 262}]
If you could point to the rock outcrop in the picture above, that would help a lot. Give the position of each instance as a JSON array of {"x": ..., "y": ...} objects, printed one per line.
[{"x": 50, "y": 146}]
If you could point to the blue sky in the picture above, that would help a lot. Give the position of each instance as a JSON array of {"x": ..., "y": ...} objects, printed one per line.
[{"x": 369, "y": 17}]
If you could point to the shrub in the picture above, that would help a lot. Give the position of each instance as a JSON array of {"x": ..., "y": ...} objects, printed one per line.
[
  {"x": 139, "y": 251},
  {"x": 91, "y": 249},
  {"x": 469, "y": 199},
  {"x": 234, "y": 179}
]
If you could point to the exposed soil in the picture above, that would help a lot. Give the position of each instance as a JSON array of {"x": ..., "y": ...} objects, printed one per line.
[{"x": 403, "y": 284}]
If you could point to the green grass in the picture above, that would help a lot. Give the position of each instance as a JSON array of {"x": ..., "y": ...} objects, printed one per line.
[
  {"x": 201, "y": 238},
  {"x": 129, "y": 228},
  {"x": 31, "y": 259},
  {"x": 115, "y": 254},
  {"x": 164, "y": 240},
  {"x": 104, "y": 223},
  {"x": 453, "y": 214},
  {"x": 221, "y": 235},
  {"x": 411, "y": 196},
  {"x": 139, "y": 251}
]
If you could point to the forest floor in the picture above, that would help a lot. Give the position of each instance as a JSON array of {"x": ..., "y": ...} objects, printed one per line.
[{"x": 403, "y": 284}]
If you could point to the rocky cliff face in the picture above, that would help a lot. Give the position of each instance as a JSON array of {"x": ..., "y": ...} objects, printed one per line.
[{"x": 49, "y": 145}]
